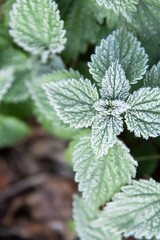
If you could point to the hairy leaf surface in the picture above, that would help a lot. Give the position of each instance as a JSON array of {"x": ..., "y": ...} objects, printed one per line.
[
  {"x": 143, "y": 115},
  {"x": 36, "y": 26},
  {"x": 152, "y": 78},
  {"x": 83, "y": 216},
  {"x": 134, "y": 211},
  {"x": 101, "y": 178},
  {"x": 121, "y": 46},
  {"x": 73, "y": 101}
]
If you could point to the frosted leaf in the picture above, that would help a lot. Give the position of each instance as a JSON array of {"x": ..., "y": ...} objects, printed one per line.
[
  {"x": 104, "y": 131},
  {"x": 99, "y": 179},
  {"x": 6, "y": 79},
  {"x": 73, "y": 101},
  {"x": 12, "y": 131},
  {"x": 152, "y": 78},
  {"x": 125, "y": 7},
  {"x": 83, "y": 216},
  {"x": 123, "y": 47},
  {"x": 36, "y": 26},
  {"x": 114, "y": 84},
  {"x": 134, "y": 211},
  {"x": 143, "y": 115}
]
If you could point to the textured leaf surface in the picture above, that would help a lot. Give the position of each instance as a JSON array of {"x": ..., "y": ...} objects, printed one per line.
[
  {"x": 74, "y": 13},
  {"x": 83, "y": 216},
  {"x": 152, "y": 78},
  {"x": 73, "y": 101},
  {"x": 114, "y": 84},
  {"x": 36, "y": 26},
  {"x": 12, "y": 130},
  {"x": 6, "y": 79},
  {"x": 101, "y": 178},
  {"x": 143, "y": 115},
  {"x": 135, "y": 211},
  {"x": 44, "y": 111},
  {"x": 121, "y": 46},
  {"x": 125, "y": 7}
]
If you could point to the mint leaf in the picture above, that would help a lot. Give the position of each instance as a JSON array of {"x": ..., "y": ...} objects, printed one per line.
[
  {"x": 36, "y": 26},
  {"x": 101, "y": 178},
  {"x": 73, "y": 101},
  {"x": 143, "y": 113},
  {"x": 152, "y": 78},
  {"x": 123, "y": 47}
]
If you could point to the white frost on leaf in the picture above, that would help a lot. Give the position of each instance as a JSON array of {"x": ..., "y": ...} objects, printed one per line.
[
  {"x": 6, "y": 79},
  {"x": 36, "y": 26},
  {"x": 123, "y": 6},
  {"x": 143, "y": 115},
  {"x": 123, "y": 47},
  {"x": 114, "y": 84},
  {"x": 152, "y": 78},
  {"x": 99, "y": 179},
  {"x": 134, "y": 211},
  {"x": 73, "y": 101}
]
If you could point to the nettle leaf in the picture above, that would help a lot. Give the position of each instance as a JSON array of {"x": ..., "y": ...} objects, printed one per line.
[
  {"x": 36, "y": 26},
  {"x": 104, "y": 131},
  {"x": 134, "y": 211},
  {"x": 125, "y": 7},
  {"x": 6, "y": 79},
  {"x": 101, "y": 178},
  {"x": 143, "y": 115},
  {"x": 73, "y": 101},
  {"x": 83, "y": 216},
  {"x": 12, "y": 131},
  {"x": 114, "y": 84},
  {"x": 44, "y": 111},
  {"x": 124, "y": 47},
  {"x": 74, "y": 13},
  {"x": 152, "y": 78}
]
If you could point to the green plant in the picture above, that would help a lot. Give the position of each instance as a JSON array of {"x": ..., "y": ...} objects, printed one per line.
[{"x": 124, "y": 87}]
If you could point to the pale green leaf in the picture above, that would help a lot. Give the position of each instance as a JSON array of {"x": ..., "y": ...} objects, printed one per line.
[
  {"x": 152, "y": 78},
  {"x": 44, "y": 111},
  {"x": 12, "y": 131},
  {"x": 123, "y": 6},
  {"x": 134, "y": 211},
  {"x": 6, "y": 79},
  {"x": 99, "y": 179},
  {"x": 83, "y": 216},
  {"x": 73, "y": 101},
  {"x": 120, "y": 46},
  {"x": 36, "y": 26},
  {"x": 104, "y": 131},
  {"x": 143, "y": 113},
  {"x": 114, "y": 84}
]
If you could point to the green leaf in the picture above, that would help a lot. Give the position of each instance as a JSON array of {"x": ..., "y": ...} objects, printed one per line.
[
  {"x": 74, "y": 13},
  {"x": 143, "y": 113},
  {"x": 101, "y": 178},
  {"x": 114, "y": 84},
  {"x": 134, "y": 211},
  {"x": 73, "y": 101},
  {"x": 18, "y": 92},
  {"x": 125, "y": 7},
  {"x": 36, "y": 26},
  {"x": 104, "y": 131},
  {"x": 44, "y": 111},
  {"x": 83, "y": 216},
  {"x": 6, "y": 79},
  {"x": 152, "y": 78},
  {"x": 12, "y": 131},
  {"x": 124, "y": 47}
]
